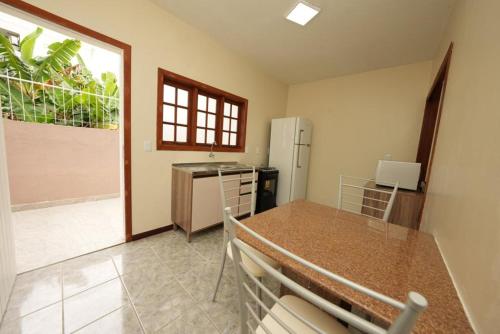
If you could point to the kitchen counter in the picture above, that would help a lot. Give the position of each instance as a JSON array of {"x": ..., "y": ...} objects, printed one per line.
[
  {"x": 205, "y": 169},
  {"x": 195, "y": 194}
]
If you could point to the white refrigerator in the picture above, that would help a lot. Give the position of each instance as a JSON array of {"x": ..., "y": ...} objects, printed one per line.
[{"x": 289, "y": 152}]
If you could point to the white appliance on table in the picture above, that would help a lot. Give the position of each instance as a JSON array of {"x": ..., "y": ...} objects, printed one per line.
[{"x": 289, "y": 153}]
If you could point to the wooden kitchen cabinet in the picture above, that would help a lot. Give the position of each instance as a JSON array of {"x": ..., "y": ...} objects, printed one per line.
[
  {"x": 196, "y": 201},
  {"x": 406, "y": 209}
]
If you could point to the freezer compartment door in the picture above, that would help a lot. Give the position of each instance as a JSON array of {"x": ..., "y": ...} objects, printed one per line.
[{"x": 303, "y": 131}]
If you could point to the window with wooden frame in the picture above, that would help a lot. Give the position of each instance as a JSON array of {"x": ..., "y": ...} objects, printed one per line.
[{"x": 193, "y": 116}]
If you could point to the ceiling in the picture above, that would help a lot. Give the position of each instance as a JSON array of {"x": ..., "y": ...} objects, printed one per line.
[{"x": 347, "y": 36}]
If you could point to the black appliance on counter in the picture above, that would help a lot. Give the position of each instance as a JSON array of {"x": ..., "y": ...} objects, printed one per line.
[{"x": 267, "y": 186}]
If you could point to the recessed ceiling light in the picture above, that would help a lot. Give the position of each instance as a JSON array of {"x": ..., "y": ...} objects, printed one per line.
[{"x": 302, "y": 13}]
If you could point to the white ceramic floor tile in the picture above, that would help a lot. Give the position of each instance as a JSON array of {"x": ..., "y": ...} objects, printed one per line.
[
  {"x": 49, "y": 235},
  {"x": 33, "y": 291},
  {"x": 47, "y": 320},
  {"x": 93, "y": 304},
  {"x": 86, "y": 271},
  {"x": 121, "y": 321},
  {"x": 165, "y": 286}
]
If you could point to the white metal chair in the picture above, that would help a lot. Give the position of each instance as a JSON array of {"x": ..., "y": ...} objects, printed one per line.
[
  {"x": 310, "y": 313},
  {"x": 238, "y": 188},
  {"x": 356, "y": 195}
]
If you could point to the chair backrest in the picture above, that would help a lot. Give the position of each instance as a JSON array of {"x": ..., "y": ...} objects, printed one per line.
[
  {"x": 237, "y": 190},
  {"x": 361, "y": 196},
  {"x": 403, "y": 324}
]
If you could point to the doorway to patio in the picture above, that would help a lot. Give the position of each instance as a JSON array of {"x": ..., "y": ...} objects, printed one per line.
[{"x": 61, "y": 104}]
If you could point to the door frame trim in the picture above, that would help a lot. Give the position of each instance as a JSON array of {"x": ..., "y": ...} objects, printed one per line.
[
  {"x": 440, "y": 78},
  {"x": 127, "y": 65}
]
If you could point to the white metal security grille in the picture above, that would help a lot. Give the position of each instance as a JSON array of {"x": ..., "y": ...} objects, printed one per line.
[{"x": 46, "y": 102}]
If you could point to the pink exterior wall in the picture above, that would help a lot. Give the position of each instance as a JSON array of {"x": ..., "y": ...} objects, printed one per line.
[{"x": 52, "y": 162}]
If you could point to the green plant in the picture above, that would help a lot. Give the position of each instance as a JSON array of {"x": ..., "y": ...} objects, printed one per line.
[{"x": 51, "y": 89}]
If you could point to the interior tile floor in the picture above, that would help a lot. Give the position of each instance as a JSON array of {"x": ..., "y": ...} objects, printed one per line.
[
  {"x": 160, "y": 284},
  {"x": 49, "y": 235}
]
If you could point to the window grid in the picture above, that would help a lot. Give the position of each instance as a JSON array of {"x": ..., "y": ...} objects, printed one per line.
[
  {"x": 206, "y": 110},
  {"x": 180, "y": 129},
  {"x": 230, "y": 118}
]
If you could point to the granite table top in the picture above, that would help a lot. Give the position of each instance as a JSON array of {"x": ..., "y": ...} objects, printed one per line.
[{"x": 387, "y": 258}]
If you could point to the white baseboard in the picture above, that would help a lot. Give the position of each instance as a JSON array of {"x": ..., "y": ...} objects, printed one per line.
[
  {"x": 466, "y": 309},
  {"x": 47, "y": 204}
]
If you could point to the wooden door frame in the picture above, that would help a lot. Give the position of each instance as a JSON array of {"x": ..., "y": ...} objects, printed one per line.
[
  {"x": 438, "y": 85},
  {"x": 127, "y": 65}
]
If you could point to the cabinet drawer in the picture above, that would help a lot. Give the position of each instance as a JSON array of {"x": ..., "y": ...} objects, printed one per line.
[
  {"x": 245, "y": 192},
  {"x": 231, "y": 193},
  {"x": 245, "y": 204},
  {"x": 247, "y": 178}
]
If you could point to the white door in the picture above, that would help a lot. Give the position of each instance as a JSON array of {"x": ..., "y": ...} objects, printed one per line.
[
  {"x": 7, "y": 256},
  {"x": 301, "y": 155}
]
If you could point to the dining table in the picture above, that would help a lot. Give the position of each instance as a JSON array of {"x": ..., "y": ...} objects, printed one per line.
[{"x": 387, "y": 258}]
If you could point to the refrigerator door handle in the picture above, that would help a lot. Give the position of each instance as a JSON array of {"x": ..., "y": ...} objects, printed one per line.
[
  {"x": 298, "y": 156},
  {"x": 301, "y": 132}
]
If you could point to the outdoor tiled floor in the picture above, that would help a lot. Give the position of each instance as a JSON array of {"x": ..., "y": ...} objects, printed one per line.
[
  {"x": 49, "y": 235},
  {"x": 160, "y": 284}
]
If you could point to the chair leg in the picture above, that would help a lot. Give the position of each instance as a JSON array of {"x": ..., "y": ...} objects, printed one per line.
[
  {"x": 222, "y": 262},
  {"x": 258, "y": 292}
]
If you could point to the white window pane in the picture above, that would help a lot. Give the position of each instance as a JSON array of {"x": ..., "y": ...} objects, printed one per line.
[
  {"x": 200, "y": 136},
  {"x": 227, "y": 109},
  {"x": 232, "y": 140},
  {"x": 234, "y": 125},
  {"x": 235, "y": 110},
  {"x": 225, "y": 138},
  {"x": 168, "y": 94},
  {"x": 210, "y": 136},
  {"x": 168, "y": 132},
  {"x": 182, "y": 97},
  {"x": 200, "y": 120},
  {"x": 168, "y": 113},
  {"x": 212, "y": 105},
  {"x": 211, "y": 121},
  {"x": 202, "y": 102},
  {"x": 225, "y": 125},
  {"x": 182, "y": 116},
  {"x": 181, "y": 134}
]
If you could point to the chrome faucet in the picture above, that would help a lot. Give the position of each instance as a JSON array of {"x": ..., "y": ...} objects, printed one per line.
[{"x": 212, "y": 155}]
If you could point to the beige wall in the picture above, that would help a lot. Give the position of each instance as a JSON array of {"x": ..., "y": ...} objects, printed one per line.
[
  {"x": 51, "y": 162},
  {"x": 159, "y": 39},
  {"x": 357, "y": 119},
  {"x": 463, "y": 206}
]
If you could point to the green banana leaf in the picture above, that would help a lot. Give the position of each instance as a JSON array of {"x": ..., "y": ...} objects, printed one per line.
[
  {"x": 58, "y": 58},
  {"x": 110, "y": 84},
  {"x": 28, "y": 45},
  {"x": 9, "y": 60},
  {"x": 81, "y": 61},
  {"x": 15, "y": 103},
  {"x": 76, "y": 104}
]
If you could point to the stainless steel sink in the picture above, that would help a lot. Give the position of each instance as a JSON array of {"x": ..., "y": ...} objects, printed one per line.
[{"x": 211, "y": 167}]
